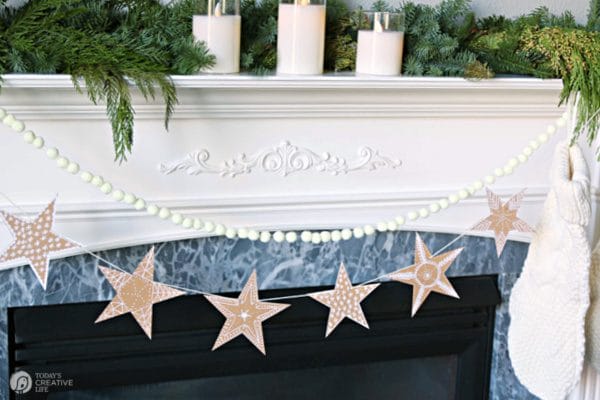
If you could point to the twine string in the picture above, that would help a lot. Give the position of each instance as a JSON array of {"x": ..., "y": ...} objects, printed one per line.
[{"x": 103, "y": 260}]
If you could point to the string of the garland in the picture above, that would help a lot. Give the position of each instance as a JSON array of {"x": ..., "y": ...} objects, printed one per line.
[{"x": 280, "y": 236}]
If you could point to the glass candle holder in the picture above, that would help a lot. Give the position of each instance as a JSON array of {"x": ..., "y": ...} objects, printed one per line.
[
  {"x": 380, "y": 43},
  {"x": 301, "y": 37},
  {"x": 220, "y": 29}
]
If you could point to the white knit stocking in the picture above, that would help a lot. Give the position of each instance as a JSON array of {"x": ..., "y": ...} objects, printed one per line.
[
  {"x": 550, "y": 299},
  {"x": 592, "y": 334}
]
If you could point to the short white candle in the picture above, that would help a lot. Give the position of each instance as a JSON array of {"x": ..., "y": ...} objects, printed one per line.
[
  {"x": 300, "y": 38},
  {"x": 379, "y": 51},
  {"x": 221, "y": 33}
]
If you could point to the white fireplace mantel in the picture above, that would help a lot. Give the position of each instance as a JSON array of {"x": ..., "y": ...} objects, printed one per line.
[
  {"x": 427, "y": 137},
  {"x": 277, "y": 97}
]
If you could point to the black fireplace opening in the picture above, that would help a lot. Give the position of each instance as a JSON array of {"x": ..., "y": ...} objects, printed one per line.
[{"x": 444, "y": 352}]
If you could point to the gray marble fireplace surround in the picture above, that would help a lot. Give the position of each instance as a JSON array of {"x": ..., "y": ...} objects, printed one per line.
[{"x": 223, "y": 265}]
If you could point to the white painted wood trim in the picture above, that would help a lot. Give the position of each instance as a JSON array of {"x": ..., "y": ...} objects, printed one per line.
[{"x": 244, "y": 97}]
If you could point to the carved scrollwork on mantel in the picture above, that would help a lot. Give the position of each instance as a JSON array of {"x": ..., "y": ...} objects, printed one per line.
[{"x": 284, "y": 159}]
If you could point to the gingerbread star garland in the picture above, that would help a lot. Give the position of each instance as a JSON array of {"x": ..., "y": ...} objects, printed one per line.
[
  {"x": 245, "y": 315},
  {"x": 344, "y": 301},
  {"x": 503, "y": 218},
  {"x": 35, "y": 242},
  {"x": 136, "y": 293},
  {"x": 427, "y": 274}
]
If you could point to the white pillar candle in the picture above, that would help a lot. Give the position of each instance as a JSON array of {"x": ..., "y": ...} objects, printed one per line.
[
  {"x": 379, "y": 51},
  {"x": 221, "y": 33},
  {"x": 300, "y": 38}
]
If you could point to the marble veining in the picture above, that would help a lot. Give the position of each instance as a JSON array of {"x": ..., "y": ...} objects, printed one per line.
[{"x": 223, "y": 265}]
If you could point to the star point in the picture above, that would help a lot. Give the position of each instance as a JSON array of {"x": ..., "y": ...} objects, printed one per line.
[
  {"x": 34, "y": 241},
  {"x": 344, "y": 301},
  {"x": 427, "y": 274},
  {"x": 136, "y": 293},
  {"x": 244, "y": 315},
  {"x": 503, "y": 218}
]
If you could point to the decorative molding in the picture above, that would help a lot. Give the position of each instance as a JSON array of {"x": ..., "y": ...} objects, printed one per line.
[{"x": 284, "y": 159}]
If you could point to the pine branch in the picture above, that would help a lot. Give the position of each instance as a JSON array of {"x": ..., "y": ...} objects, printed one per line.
[{"x": 433, "y": 38}]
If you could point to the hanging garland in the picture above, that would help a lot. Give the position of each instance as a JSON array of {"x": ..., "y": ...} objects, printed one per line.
[{"x": 137, "y": 292}]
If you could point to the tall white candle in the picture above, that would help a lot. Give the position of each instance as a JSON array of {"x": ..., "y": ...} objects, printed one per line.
[
  {"x": 222, "y": 36},
  {"x": 300, "y": 38},
  {"x": 379, "y": 51}
]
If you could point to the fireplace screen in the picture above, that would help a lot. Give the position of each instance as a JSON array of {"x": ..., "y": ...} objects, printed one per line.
[{"x": 442, "y": 353}]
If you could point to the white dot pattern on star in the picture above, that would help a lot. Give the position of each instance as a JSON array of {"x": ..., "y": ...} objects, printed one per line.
[
  {"x": 136, "y": 293},
  {"x": 34, "y": 242},
  {"x": 344, "y": 301}
]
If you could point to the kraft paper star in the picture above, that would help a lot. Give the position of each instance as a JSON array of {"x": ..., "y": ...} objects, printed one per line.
[
  {"x": 34, "y": 241},
  {"x": 427, "y": 274},
  {"x": 344, "y": 301},
  {"x": 136, "y": 293},
  {"x": 503, "y": 218},
  {"x": 245, "y": 315}
]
